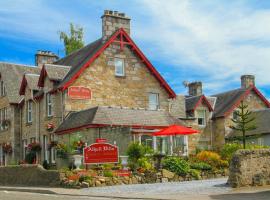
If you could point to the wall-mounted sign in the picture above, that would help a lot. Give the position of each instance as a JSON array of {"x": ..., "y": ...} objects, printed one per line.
[
  {"x": 101, "y": 140},
  {"x": 99, "y": 153},
  {"x": 79, "y": 92}
]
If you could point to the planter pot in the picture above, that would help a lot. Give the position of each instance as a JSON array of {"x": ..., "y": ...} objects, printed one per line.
[
  {"x": 62, "y": 162},
  {"x": 77, "y": 161},
  {"x": 124, "y": 161}
]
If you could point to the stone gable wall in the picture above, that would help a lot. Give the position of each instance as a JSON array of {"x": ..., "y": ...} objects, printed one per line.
[
  {"x": 132, "y": 90},
  {"x": 250, "y": 168}
]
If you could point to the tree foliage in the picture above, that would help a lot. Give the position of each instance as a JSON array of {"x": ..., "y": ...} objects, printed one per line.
[
  {"x": 74, "y": 40},
  {"x": 244, "y": 121}
]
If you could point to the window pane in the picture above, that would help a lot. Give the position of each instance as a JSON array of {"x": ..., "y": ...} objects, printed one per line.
[
  {"x": 119, "y": 67},
  {"x": 153, "y": 101},
  {"x": 201, "y": 117}
]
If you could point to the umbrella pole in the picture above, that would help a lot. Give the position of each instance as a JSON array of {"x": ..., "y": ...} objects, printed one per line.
[{"x": 171, "y": 144}]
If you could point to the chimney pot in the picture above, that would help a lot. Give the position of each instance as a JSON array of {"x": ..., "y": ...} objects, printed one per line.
[
  {"x": 195, "y": 88},
  {"x": 112, "y": 21},
  {"x": 247, "y": 81}
]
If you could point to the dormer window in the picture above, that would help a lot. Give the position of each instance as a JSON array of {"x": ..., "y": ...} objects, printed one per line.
[
  {"x": 119, "y": 67},
  {"x": 201, "y": 117}
]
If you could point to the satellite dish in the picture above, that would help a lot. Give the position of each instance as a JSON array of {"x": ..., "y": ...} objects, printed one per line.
[{"x": 185, "y": 83}]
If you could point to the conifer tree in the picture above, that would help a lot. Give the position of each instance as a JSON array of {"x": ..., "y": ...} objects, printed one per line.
[{"x": 243, "y": 121}]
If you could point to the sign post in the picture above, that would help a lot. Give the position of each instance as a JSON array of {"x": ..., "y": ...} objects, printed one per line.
[{"x": 100, "y": 153}]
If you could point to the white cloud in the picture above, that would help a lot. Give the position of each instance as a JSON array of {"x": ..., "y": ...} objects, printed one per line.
[
  {"x": 212, "y": 41},
  {"x": 222, "y": 43}
]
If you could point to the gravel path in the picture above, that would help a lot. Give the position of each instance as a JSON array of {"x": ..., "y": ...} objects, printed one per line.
[{"x": 201, "y": 187}]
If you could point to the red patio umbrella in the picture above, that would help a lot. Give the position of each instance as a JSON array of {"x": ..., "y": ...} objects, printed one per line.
[{"x": 175, "y": 130}]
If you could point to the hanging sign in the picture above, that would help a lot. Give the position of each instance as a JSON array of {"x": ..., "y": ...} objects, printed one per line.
[
  {"x": 99, "y": 153},
  {"x": 79, "y": 92},
  {"x": 101, "y": 140}
]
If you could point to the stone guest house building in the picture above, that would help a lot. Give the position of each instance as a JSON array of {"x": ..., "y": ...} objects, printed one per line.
[
  {"x": 107, "y": 89},
  {"x": 127, "y": 97}
]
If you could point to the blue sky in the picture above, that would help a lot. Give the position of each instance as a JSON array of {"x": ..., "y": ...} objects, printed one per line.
[{"x": 210, "y": 41}]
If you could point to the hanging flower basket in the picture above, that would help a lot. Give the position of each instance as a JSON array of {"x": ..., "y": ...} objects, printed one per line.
[
  {"x": 34, "y": 147},
  {"x": 50, "y": 126},
  {"x": 52, "y": 144},
  {"x": 7, "y": 148}
]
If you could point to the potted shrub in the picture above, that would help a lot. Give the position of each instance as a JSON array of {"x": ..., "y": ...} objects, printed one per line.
[
  {"x": 62, "y": 159},
  {"x": 34, "y": 147},
  {"x": 7, "y": 148},
  {"x": 52, "y": 144},
  {"x": 78, "y": 147}
]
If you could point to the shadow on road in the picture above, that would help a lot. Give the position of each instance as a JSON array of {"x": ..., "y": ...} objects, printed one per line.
[{"x": 265, "y": 195}]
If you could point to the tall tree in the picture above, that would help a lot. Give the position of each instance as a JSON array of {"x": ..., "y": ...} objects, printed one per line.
[
  {"x": 73, "y": 40},
  {"x": 243, "y": 121}
]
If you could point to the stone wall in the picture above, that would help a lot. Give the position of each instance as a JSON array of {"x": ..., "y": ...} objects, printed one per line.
[
  {"x": 28, "y": 175},
  {"x": 250, "y": 168},
  {"x": 131, "y": 90}
]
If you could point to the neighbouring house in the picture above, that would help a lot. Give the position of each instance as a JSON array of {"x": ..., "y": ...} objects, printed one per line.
[{"x": 10, "y": 108}]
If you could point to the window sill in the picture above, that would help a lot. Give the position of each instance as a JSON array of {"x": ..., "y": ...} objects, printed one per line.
[
  {"x": 49, "y": 117},
  {"x": 201, "y": 126},
  {"x": 28, "y": 123},
  {"x": 120, "y": 76}
]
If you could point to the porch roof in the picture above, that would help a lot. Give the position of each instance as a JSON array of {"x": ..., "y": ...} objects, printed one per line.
[{"x": 116, "y": 116}]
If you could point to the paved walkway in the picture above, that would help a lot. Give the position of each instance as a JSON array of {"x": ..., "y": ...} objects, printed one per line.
[{"x": 201, "y": 190}]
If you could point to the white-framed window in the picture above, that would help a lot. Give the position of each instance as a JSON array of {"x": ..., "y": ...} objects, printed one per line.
[
  {"x": 45, "y": 147},
  {"x": 49, "y": 104},
  {"x": 153, "y": 101},
  {"x": 201, "y": 117},
  {"x": 234, "y": 115},
  {"x": 2, "y": 88},
  {"x": 29, "y": 111},
  {"x": 119, "y": 67},
  {"x": 24, "y": 147}
]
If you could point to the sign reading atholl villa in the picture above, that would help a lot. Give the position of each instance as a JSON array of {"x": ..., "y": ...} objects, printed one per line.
[
  {"x": 78, "y": 92},
  {"x": 99, "y": 153}
]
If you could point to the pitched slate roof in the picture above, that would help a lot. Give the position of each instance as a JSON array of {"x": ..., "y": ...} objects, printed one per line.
[
  {"x": 262, "y": 122},
  {"x": 56, "y": 72},
  {"x": 78, "y": 58},
  {"x": 193, "y": 101},
  {"x": 226, "y": 100},
  {"x": 32, "y": 81},
  {"x": 118, "y": 117},
  {"x": 12, "y": 75},
  {"x": 83, "y": 58}
]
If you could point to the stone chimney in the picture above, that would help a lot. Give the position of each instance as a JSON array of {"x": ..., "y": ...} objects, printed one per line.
[
  {"x": 45, "y": 57},
  {"x": 112, "y": 21},
  {"x": 247, "y": 81},
  {"x": 195, "y": 88}
]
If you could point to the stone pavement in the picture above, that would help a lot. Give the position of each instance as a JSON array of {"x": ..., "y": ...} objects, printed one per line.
[{"x": 203, "y": 190}]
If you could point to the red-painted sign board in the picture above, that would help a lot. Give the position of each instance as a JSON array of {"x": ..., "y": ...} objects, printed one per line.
[
  {"x": 101, "y": 140},
  {"x": 123, "y": 172},
  {"x": 78, "y": 92},
  {"x": 99, "y": 153}
]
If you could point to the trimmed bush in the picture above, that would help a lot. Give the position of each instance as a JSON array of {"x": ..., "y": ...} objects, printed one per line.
[
  {"x": 195, "y": 173},
  {"x": 201, "y": 166},
  {"x": 176, "y": 165}
]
